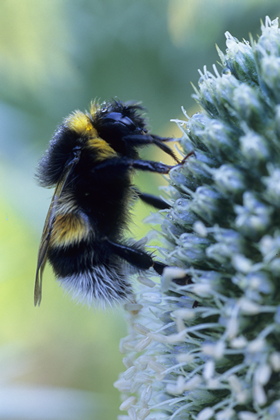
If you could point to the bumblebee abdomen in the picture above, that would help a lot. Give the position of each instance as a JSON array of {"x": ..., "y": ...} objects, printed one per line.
[
  {"x": 68, "y": 229},
  {"x": 100, "y": 285},
  {"x": 75, "y": 257},
  {"x": 90, "y": 272}
]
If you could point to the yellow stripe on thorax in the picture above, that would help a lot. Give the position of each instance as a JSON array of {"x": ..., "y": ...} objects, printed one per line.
[
  {"x": 101, "y": 148},
  {"x": 80, "y": 123},
  {"x": 68, "y": 229}
]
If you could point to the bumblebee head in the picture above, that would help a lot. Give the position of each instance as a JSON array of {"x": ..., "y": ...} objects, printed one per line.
[
  {"x": 114, "y": 124},
  {"x": 115, "y": 121}
]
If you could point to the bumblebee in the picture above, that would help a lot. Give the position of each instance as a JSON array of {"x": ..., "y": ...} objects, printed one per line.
[{"x": 90, "y": 161}]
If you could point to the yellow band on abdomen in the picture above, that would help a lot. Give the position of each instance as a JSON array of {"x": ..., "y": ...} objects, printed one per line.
[{"x": 68, "y": 229}]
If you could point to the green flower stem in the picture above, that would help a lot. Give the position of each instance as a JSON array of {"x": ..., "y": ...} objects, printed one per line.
[{"x": 220, "y": 357}]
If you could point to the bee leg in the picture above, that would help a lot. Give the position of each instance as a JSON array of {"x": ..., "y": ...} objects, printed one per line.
[
  {"x": 124, "y": 164},
  {"x": 143, "y": 139},
  {"x": 183, "y": 281},
  {"x": 159, "y": 267},
  {"x": 153, "y": 200},
  {"x": 150, "y": 166},
  {"x": 136, "y": 257},
  {"x": 144, "y": 261},
  {"x": 192, "y": 153},
  {"x": 158, "y": 167}
]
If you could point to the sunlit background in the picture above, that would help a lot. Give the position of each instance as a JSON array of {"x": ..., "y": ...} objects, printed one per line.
[{"x": 60, "y": 361}]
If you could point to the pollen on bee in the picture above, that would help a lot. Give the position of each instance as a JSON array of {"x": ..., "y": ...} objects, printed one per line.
[
  {"x": 80, "y": 123},
  {"x": 68, "y": 229}
]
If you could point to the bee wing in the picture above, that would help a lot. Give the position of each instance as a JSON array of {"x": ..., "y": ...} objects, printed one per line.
[{"x": 48, "y": 226}]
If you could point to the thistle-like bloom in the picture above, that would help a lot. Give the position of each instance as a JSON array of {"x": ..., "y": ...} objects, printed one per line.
[{"x": 207, "y": 345}]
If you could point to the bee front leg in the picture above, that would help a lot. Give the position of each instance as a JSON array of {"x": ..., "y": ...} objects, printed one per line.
[
  {"x": 124, "y": 164},
  {"x": 158, "y": 167},
  {"x": 150, "y": 166},
  {"x": 143, "y": 139}
]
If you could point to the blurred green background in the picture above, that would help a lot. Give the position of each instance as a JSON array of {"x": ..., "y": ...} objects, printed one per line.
[{"x": 59, "y": 361}]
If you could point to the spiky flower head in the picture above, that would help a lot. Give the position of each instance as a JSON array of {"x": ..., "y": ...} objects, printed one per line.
[{"x": 207, "y": 345}]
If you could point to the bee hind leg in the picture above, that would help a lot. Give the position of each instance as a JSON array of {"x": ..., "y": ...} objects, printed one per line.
[{"x": 136, "y": 257}]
